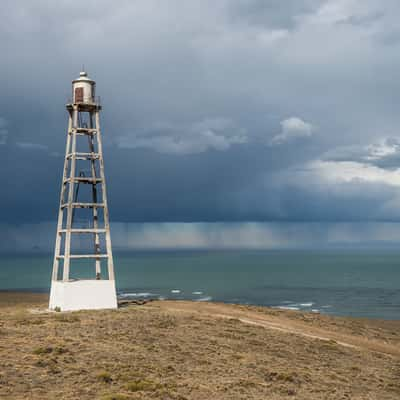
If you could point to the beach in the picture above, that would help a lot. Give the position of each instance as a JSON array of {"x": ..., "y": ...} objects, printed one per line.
[{"x": 192, "y": 350}]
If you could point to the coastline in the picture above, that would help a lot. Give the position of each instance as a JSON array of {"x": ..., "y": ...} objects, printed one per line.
[
  {"x": 324, "y": 281},
  {"x": 132, "y": 295},
  {"x": 192, "y": 350}
]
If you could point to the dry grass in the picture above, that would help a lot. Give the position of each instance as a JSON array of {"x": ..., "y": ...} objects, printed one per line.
[{"x": 178, "y": 351}]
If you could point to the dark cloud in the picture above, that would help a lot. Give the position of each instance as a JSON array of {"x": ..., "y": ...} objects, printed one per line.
[
  {"x": 274, "y": 14},
  {"x": 384, "y": 153},
  {"x": 216, "y": 134},
  {"x": 365, "y": 20},
  {"x": 213, "y": 111}
]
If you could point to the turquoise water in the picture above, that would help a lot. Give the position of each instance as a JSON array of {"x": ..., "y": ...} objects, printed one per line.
[{"x": 355, "y": 283}]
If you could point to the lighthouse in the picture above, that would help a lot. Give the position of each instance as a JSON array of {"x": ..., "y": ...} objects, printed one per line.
[{"x": 83, "y": 219}]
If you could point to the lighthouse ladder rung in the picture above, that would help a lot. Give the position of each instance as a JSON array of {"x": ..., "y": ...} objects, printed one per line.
[
  {"x": 84, "y": 130},
  {"x": 84, "y": 156},
  {"x": 83, "y": 133},
  {"x": 83, "y": 230},
  {"x": 83, "y": 180},
  {"x": 83, "y": 205},
  {"x": 85, "y": 256}
]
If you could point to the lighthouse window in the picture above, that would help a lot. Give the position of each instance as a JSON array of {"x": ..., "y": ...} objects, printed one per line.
[{"x": 79, "y": 95}]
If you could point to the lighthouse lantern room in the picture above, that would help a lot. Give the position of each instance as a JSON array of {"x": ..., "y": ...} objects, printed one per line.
[{"x": 83, "y": 89}]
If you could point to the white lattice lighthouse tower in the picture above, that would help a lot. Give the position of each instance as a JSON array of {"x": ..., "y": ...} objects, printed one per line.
[{"x": 83, "y": 190}]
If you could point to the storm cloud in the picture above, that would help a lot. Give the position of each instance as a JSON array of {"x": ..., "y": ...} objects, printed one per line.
[{"x": 214, "y": 111}]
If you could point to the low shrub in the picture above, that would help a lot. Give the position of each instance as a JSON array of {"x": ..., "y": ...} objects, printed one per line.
[
  {"x": 43, "y": 350},
  {"x": 142, "y": 385},
  {"x": 104, "y": 376},
  {"x": 116, "y": 396}
]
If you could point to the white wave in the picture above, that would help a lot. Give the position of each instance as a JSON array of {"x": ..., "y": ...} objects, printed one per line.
[
  {"x": 140, "y": 294},
  {"x": 315, "y": 310},
  {"x": 327, "y": 306},
  {"x": 206, "y": 298},
  {"x": 197, "y": 293},
  {"x": 175, "y": 291},
  {"x": 287, "y": 308},
  {"x": 306, "y": 304},
  {"x": 310, "y": 304}
]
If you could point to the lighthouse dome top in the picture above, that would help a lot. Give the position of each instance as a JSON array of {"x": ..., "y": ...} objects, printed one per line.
[{"x": 83, "y": 77}]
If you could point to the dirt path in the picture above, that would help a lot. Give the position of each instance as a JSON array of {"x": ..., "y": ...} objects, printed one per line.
[{"x": 282, "y": 323}]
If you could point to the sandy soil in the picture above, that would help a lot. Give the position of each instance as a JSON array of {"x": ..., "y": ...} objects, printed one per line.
[{"x": 188, "y": 350}]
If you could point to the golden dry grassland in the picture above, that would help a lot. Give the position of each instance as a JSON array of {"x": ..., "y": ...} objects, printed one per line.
[{"x": 186, "y": 350}]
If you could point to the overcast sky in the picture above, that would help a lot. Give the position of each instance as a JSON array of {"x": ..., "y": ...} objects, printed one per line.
[{"x": 214, "y": 110}]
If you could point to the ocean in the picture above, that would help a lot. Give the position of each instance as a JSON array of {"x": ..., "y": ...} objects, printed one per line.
[{"x": 362, "y": 283}]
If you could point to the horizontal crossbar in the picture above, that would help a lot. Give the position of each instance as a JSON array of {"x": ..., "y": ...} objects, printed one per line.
[
  {"x": 89, "y": 130},
  {"x": 84, "y": 106},
  {"x": 84, "y": 156},
  {"x": 84, "y": 205},
  {"x": 85, "y": 256},
  {"x": 83, "y": 180},
  {"x": 83, "y": 230}
]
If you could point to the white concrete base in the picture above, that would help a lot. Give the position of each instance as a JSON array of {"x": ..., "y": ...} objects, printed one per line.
[{"x": 83, "y": 295}]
